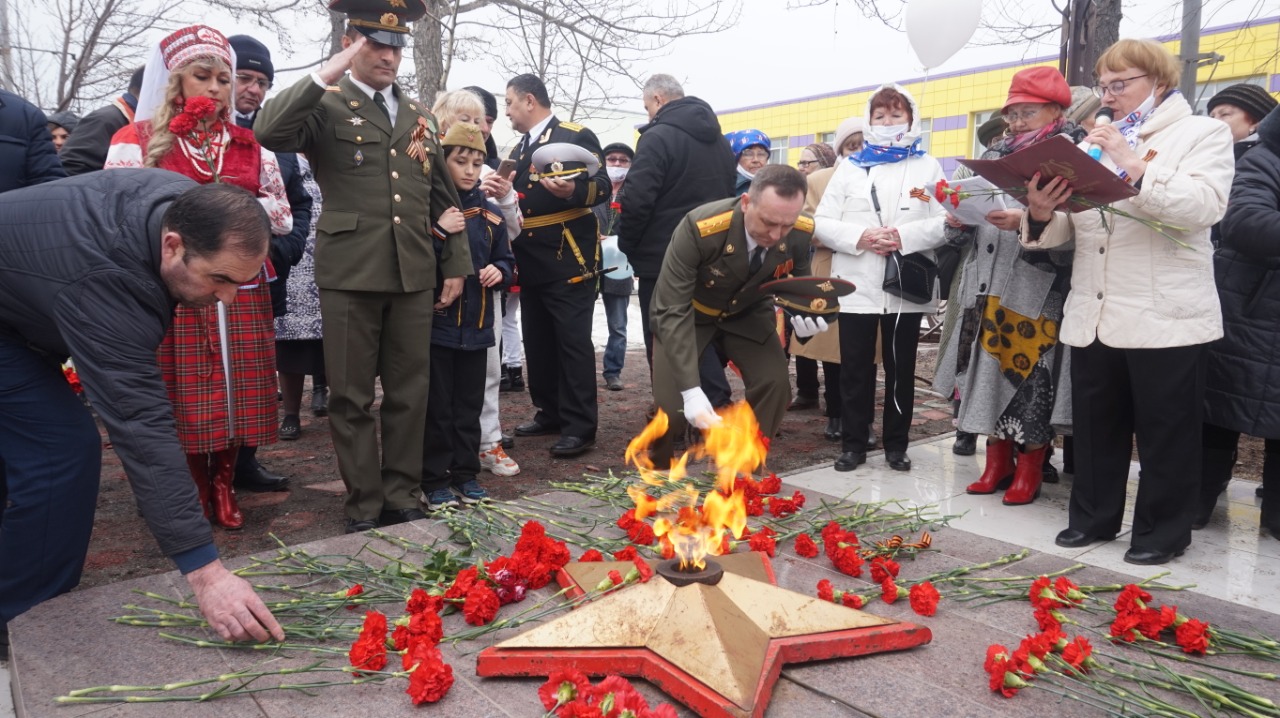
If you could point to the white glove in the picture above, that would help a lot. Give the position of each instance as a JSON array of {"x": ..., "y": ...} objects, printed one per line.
[
  {"x": 698, "y": 410},
  {"x": 806, "y": 327}
]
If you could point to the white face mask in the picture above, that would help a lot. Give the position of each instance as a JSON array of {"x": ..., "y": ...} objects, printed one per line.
[
  {"x": 617, "y": 174},
  {"x": 884, "y": 135}
]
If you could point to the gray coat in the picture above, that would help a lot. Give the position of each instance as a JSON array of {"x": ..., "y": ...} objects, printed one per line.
[{"x": 79, "y": 276}]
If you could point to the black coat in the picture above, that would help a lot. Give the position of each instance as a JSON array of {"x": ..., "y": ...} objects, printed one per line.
[
  {"x": 86, "y": 148},
  {"x": 1243, "y": 383},
  {"x": 27, "y": 156},
  {"x": 682, "y": 161},
  {"x": 468, "y": 323},
  {"x": 80, "y": 276}
]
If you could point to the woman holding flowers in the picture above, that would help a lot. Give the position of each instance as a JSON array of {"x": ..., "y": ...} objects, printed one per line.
[
  {"x": 1004, "y": 356},
  {"x": 183, "y": 125},
  {"x": 1142, "y": 306},
  {"x": 874, "y": 212}
]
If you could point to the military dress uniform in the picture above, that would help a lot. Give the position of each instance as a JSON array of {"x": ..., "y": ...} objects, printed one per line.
[
  {"x": 384, "y": 187},
  {"x": 559, "y": 241},
  {"x": 705, "y": 293}
]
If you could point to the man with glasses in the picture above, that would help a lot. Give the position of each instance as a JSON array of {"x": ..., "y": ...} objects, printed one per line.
[{"x": 254, "y": 74}]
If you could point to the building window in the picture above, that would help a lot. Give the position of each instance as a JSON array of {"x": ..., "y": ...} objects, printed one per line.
[
  {"x": 978, "y": 119},
  {"x": 827, "y": 138},
  {"x": 926, "y": 133},
  {"x": 778, "y": 155},
  {"x": 1206, "y": 90}
]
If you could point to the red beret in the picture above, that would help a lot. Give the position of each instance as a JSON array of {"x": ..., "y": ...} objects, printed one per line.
[{"x": 1040, "y": 85}]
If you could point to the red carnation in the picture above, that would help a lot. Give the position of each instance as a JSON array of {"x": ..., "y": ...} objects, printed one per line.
[
  {"x": 426, "y": 625},
  {"x": 1193, "y": 636},
  {"x": 432, "y": 678},
  {"x": 826, "y": 591},
  {"x": 562, "y": 687},
  {"x": 1077, "y": 652},
  {"x": 940, "y": 190},
  {"x": 182, "y": 125},
  {"x": 370, "y": 650},
  {"x": 1122, "y": 629},
  {"x": 889, "y": 591},
  {"x": 851, "y": 600},
  {"x": 805, "y": 547},
  {"x": 1068, "y": 591},
  {"x": 641, "y": 533},
  {"x": 1047, "y": 619},
  {"x": 755, "y": 506},
  {"x": 1042, "y": 594},
  {"x": 615, "y": 576},
  {"x": 779, "y": 507},
  {"x": 882, "y": 568},
  {"x": 798, "y": 499},
  {"x": 400, "y": 638},
  {"x": 200, "y": 106},
  {"x": 924, "y": 598},
  {"x": 1131, "y": 599},
  {"x": 847, "y": 561},
  {"x": 668, "y": 548},
  {"x": 763, "y": 541},
  {"x": 591, "y": 555},
  {"x": 625, "y": 554},
  {"x": 420, "y": 600},
  {"x": 627, "y": 519},
  {"x": 481, "y": 605},
  {"x": 643, "y": 567},
  {"x": 615, "y": 206},
  {"x": 770, "y": 484},
  {"x": 462, "y": 583}
]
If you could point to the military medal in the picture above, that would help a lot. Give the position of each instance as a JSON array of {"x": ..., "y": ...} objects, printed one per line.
[
  {"x": 359, "y": 158},
  {"x": 417, "y": 145},
  {"x": 355, "y": 121}
]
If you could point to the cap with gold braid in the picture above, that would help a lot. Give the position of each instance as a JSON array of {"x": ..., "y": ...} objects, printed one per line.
[{"x": 383, "y": 21}]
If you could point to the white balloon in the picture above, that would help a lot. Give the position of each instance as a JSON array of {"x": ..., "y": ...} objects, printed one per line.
[
  {"x": 937, "y": 29},
  {"x": 611, "y": 256}
]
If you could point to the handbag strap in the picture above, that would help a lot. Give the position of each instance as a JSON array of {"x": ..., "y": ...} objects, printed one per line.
[{"x": 875, "y": 201}]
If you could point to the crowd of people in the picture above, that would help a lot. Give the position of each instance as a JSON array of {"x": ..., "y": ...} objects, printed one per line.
[{"x": 200, "y": 252}]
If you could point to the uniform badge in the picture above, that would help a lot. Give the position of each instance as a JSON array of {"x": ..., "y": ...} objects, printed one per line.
[
  {"x": 716, "y": 271},
  {"x": 354, "y": 103},
  {"x": 557, "y": 167},
  {"x": 782, "y": 247},
  {"x": 359, "y": 158},
  {"x": 728, "y": 249},
  {"x": 545, "y": 136},
  {"x": 356, "y": 121},
  {"x": 827, "y": 286},
  {"x": 818, "y": 304}
]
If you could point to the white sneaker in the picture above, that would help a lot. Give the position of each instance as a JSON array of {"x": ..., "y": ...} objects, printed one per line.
[{"x": 498, "y": 463}]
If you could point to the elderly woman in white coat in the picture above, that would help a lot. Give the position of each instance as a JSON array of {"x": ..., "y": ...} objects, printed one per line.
[
  {"x": 880, "y": 201},
  {"x": 1142, "y": 307}
]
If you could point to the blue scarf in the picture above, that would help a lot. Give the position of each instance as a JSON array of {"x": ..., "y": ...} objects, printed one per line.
[{"x": 871, "y": 155}]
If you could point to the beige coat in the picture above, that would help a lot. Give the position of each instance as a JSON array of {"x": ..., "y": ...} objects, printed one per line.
[
  {"x": 826, "y": 345},
  {"x": 1132, "y": 287}
]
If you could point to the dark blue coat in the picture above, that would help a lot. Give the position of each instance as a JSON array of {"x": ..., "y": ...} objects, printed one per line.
[
  {"x": 468, "y": 322},
  {"x": 27, "y": 155}
]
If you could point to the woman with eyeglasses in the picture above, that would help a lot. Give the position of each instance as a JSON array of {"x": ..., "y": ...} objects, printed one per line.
[
  {"x": 1004, "y": 355},
  {"x": 877, "y": 205},
  {"x": 1142, "y": 307},
  {"x": 751, "y": 148}
]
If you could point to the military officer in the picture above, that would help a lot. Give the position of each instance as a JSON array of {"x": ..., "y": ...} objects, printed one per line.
[
  {"x": 386, "y": 191},
  {"x": 708, "y": 290},
  {"x": 557, "y": 249}
]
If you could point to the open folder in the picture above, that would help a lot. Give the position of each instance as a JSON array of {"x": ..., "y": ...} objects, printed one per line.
[
  {"x": 1057, "y": 157},
  {"x": 983, "y": 198}
]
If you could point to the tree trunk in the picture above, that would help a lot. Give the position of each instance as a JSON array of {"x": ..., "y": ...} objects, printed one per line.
[
  {"x": 428, "y": 51},
  {"x": 1095, "y": 26},
  {"x": 337, "y": 26}
]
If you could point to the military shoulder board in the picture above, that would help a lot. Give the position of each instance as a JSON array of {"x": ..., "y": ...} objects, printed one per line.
[
  {"x": 716, "y": 224},
  {"x": 805, "y": 224},
  {"x": 572, "y": 126}
]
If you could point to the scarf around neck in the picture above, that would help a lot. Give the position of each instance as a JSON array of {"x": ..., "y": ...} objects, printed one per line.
[{"x": 871, "y": 155}]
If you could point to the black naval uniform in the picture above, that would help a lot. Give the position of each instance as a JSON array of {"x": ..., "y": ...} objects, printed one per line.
[{"x": 556, "y": 315}]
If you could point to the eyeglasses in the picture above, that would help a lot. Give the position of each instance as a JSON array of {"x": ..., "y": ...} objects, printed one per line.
[
  {"x": 1115, "y": 88},
  {"x": 806, "y": 163},
  {"x": 1025, "y": 115},
  {"x": 263, "y": 85},
  {"x": 756, "y": 155}
]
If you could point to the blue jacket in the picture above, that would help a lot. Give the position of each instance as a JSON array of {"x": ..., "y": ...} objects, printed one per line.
[
  {"x": 468, "y": 322},
  {"x": 27, "y": 155}
]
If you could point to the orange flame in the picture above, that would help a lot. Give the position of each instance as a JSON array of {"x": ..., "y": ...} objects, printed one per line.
[{"x": 735, "y": 447}]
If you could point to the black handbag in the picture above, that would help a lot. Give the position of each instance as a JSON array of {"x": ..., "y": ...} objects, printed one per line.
[{"x": 908, "y": 276}]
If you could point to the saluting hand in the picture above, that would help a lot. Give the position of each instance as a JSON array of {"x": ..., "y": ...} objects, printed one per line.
[{"x": 333, "y": 69}]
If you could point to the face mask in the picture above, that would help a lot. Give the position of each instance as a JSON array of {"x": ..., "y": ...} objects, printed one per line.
[
  {"x": 745, "y": 173},
  {"x": 885, "y": 134},
  {"x": 1139, "y": 114},
  {"x": 617, "y": 174}
]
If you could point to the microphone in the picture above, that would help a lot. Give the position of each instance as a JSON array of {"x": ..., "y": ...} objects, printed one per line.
[{"x": 1104, "y": 117}]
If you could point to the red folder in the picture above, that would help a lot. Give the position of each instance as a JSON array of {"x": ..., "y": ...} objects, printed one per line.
[{"x": 1057, "y": 157}]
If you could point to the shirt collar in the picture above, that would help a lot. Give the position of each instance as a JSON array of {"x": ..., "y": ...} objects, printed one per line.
[
  {"x": 386, "y": 91},
  {"x": 536, "y": 131}
]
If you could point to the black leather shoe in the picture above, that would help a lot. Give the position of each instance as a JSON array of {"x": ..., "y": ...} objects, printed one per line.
[
  {"x": 850, "y": 460},
  {"x": 802, "y": 402},
  {"x": 1150, "y": 557},
  {"x": 834, "y": 428},
  {"x": 290, "y": 428},
  {"x": 391, "y": 517},
  {"x": 898, "y": 460},
  {"x": 259, "y": 479},
  {"x": 572, "y": 445},
  {"x": 1071, "y": 538},
  {"x": 534, "y": 428},
  {"x": 873, "y": 441},
  {"x": 355, "y": 527},
  {"x": 966, "y": 444},
  {"x": 320, "y": 400},
  {"x": 508, "y": 441}
]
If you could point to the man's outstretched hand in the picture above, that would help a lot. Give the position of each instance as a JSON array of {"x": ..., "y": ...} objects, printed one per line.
[{"x": 230, "y": 605}]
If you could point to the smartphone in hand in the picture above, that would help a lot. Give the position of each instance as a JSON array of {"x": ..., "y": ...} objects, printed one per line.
[{"x": 506, "y": 168}]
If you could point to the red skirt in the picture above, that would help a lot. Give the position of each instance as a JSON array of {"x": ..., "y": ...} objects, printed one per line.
[{"x": 191, "y": 360}]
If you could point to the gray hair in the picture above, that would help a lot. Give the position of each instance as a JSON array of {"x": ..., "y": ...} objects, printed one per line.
[{"x": 664, "y": 85}]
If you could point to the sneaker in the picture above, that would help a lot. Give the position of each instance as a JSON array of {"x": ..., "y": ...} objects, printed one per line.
[
  {"x": 497, "y": 462},
  {"x": 471, "y": 492},
  {"x": 440, "y": 499}
]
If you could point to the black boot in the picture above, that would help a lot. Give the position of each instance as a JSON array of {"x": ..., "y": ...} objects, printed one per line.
[
  {"x": 515, "y": 375},
  {"x": 834, "y": 427},
  {"x": 1049, "y": 471},
  {"x": 504, "y": 382},
  {"x": 1215, "y": 473},
  {"x": 1271, "y": 493},
  {"x": 320, "y": 400}
]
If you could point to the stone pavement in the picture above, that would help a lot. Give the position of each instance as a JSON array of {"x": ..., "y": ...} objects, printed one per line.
[{"x": 69, "y": 642}]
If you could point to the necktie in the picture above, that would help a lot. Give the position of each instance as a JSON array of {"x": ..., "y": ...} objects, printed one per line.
[
  {"x": 757, "y": 260},
  {"x": 524, "y": 145},
  {"x": 381, "y": 102}
]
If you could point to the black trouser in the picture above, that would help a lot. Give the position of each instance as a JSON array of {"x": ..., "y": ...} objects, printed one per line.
[
  {"x": 807, "y": 383},
  {"x": 710, "y": 363},
  {"x": 1157, "y": 395},
  {"x": 1218, "y": 437},
  {"x": 556, "y": 324},
  {"x": 858, "y": 377},
  {"x": 451, "y": 444}
]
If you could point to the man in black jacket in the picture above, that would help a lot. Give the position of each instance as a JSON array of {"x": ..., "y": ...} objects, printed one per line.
[
  {"x": 682, "y": 161},
  {"x": 254, "y": 75},
  {"x": 27, "y": 156},
  {"x": 86, "y": 148},
  {"x": 92, "y": 267}
]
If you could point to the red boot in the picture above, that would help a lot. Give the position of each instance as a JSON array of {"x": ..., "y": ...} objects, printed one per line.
[
  {"x": 199, "y": 464},
  {"x": 999, "y": 470},
  {"x": 1027, "y": 478},
  {"x": 226, "y": 512}
]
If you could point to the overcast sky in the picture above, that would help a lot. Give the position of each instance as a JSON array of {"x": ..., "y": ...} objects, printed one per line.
[{"x": 775, "y": 53}]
